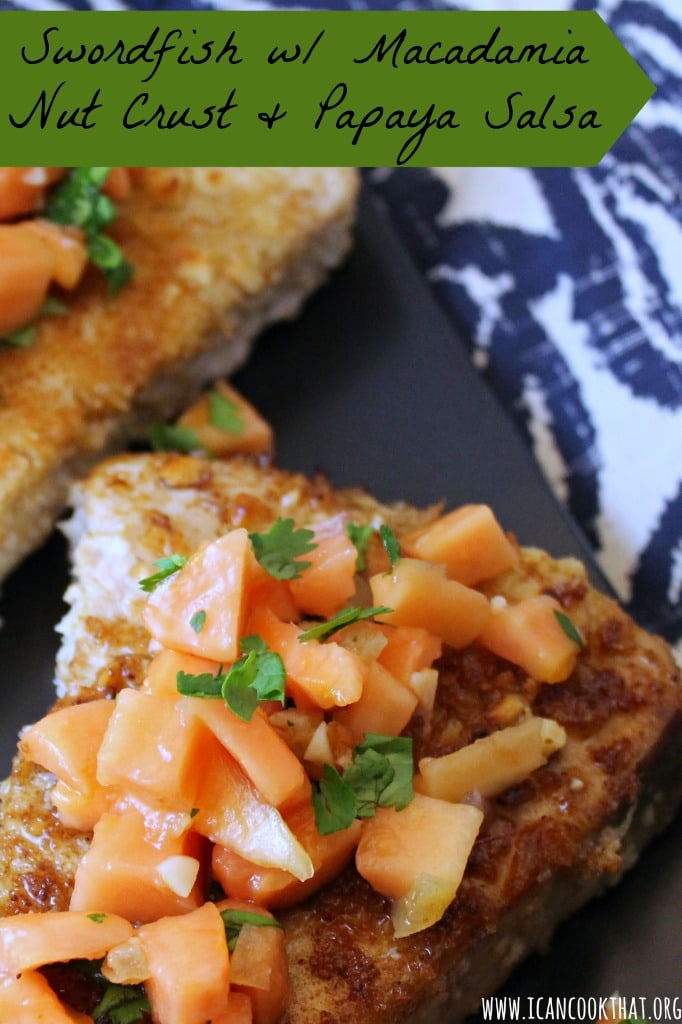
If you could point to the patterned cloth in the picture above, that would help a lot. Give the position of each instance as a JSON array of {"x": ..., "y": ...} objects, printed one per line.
[{"x": 566, "y": 285}]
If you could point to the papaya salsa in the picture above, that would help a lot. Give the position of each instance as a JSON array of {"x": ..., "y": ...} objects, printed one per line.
[
  {"x": 52, "y": 222},
  {"x": 265, "y": 750}
]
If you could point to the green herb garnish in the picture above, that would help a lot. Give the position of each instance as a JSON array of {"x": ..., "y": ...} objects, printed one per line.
[
  {"x": 78, "y": 199},
  {"x": 334, "y": 802},
  {"x": 279, "y": 550},
  {"x": 234, "y": 921},
  {"x": 257, "y": 676},
  {"x": 97, "y": 918},
  {"x": 168, "y": 437},
  {"x": 360, "y": 536},
  {"x": 223, "y": 414},
  {"x": 166, "y": 567},
  {"x": 121, "y": 1004},
  {"x": 198, "y": 620},
  {"x": 391, "y": 544},
  {"x": 380, "y": 775},
  {"x": 569, "y": 628},
  {"x": 346, "y": 617}
]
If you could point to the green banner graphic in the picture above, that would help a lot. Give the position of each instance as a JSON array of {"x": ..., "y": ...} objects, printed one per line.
[{"x": 314, "y": 88}]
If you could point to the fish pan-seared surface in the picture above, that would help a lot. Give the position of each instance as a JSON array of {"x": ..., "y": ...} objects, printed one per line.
[{"x": 546, "y": 845}]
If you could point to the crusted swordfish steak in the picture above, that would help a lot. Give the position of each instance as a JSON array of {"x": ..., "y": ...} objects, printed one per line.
[
  {"x": 546, "y": 846},
  {"x": 217, "y": 253}
]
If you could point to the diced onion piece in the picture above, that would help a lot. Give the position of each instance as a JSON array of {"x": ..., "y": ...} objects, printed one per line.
[
  {"x": 126, "y": 963},
  {"x": 424, "y": 683},
  {"x": 319, "y": 749},
  {"x": 179, "y": 872}
]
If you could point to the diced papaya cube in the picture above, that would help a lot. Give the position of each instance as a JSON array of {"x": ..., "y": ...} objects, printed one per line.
[
  {"x": 385, "y": 706},
  {"x": 162, "y": 674},
  {"x": 530, "y": 635},
  {"x": 329, "y": 582},
  {"x": 145, "y": 735},
  {"x": 420, "y": 594},
  {"x": 189, "y": 966},
  {"x": 469, "y": 541},
  {"x": 408, "y": 649},
  {"x": 120, "y": 871},
  {"x": 33, "y": 940},
  {"x": 325, "y": 674},
  {"x": 268, "y": 1004},
  {"x": 418, "y": 855},
  {"x": 78, "y": 809},
  {"x": 65, "y": 742},
  {"x": 242, "y": 879},
  {"x": 260, "y": 751},
  {"x": 212, "y": 581},
  {"x": 67, "y": 243},
  {"x": 264, "y": 591},
  {"x": 232, "y": 812},
  {"x": 226, "y": 423},
  {"x": 29, "y": 999},
  {"x": 493, "y": 763},
  {"x": 239, "y": 1010},
  {"x": 27, "y": 264}
]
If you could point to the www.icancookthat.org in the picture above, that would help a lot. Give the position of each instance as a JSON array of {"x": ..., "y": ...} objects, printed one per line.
[{"x": 591, "y": 1009}]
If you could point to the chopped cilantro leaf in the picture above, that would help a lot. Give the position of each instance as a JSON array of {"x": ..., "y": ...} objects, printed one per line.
[
  {"x": 380, "y": 775},
  {"x": 569, "y": 628},
  {"x": 23, "y": 337},
  {"x": 253, "y": 642},
  {"x": 223, "y": 414},
  {"x": 121, "y": 1004},
  {"x": 397, "y": 751},
  {"x": 167, "y": 437},
  {"x": 258, "y": 675},
  {"x": 166, "y": 567},
  {"x": 279, "y": 550},
  {"x": 234, "y": 920},
  {"x": 78, "y": 199},
  {"x": 334, "y": 802},
  {"x": 346, "y": 617},
  {"x": 198, "y": 620},
  {"x": 391, "y": 543},
  {"x": 97, "y": 918},
  {"x": 202, "y": 684},
  {"x": 360, "y": 536}
]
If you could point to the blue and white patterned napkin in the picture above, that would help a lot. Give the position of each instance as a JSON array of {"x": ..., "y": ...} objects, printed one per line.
[{"x": 567, "y": 286}]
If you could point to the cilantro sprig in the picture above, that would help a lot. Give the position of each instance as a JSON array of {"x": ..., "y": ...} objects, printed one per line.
[
  {"x": 257, "y": 676},
  {"x": 78, "y": 199},
  {"x": 234, "y": 920},
  {"x": 279, "y": 550},
  {"x": 569, "y": 628},
  {"x": 360, "y": 536},
  {"x": 380, "y": 775},
  {"x": 223, "y": 413},
  {"x": 346, "y": 617},
  {"x": 118, "y": 1004},
  {"x": 166, "y": 567},
  {"x": 391, "y": 544},
  {"x": 174, "y": 437}
]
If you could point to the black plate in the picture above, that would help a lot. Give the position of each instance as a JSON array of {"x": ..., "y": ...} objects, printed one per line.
[{"x": 371, "y": 386}]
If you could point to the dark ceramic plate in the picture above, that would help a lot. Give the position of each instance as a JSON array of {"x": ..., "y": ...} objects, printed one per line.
[{"x": 372, "y": 386}]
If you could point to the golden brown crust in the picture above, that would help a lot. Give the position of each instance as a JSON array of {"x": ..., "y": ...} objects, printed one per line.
[
  {"x": 546, "y": 845},
  {"x": 218, "y": 253}
]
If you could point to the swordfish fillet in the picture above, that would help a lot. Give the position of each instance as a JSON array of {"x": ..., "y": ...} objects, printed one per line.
[
  {"x": 218, "y": 253},
  {"x": 546, "y": 846}
]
